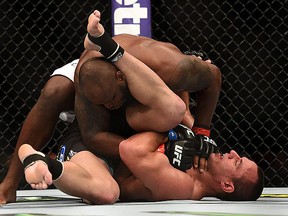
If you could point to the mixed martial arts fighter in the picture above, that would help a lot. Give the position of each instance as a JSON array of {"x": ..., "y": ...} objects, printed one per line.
[
  {"x": 250, "y": 173},
  {"x": 58, "y": 95}
]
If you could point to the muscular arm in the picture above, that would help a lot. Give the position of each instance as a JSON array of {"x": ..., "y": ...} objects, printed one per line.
[
  {"x": 180, "y": 72},
  {"x": 207, "y": 99},
  {"x": 162, "y": 109},
  {"x": 188, "y": 119},
  {"x": 195, "y": 75},
  {"x": 94, "y": 121},
  {"x": 153, "y": 168},
  {"x": 57, "y": 96},
  {"x": 94, "y": 124}
]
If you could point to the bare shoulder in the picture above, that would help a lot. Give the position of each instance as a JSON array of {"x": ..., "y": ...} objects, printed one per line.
[
  {"x": 132, "y": 41},
  {"x": 181, "y": 186},
  {"x": 161, "y": 57}
]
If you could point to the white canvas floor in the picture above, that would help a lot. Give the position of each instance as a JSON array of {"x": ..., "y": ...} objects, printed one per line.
[{"x": 274, "y": 201}]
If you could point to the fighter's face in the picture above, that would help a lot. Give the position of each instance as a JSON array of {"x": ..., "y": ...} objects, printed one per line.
[
  {"x": 112, "y": 94},
  {"x": 231, "y": 165},
  {"x": 117, "y": 96}
]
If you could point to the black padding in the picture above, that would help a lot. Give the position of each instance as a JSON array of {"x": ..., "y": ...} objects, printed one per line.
[{"x": 32, "y": 158}]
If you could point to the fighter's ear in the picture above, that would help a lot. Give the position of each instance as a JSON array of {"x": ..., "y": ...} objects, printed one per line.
[
  {"x": 120, "y": 76},
  {"x": 227, "y": 186}
]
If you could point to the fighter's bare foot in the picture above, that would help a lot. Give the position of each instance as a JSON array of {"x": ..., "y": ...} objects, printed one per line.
[
  {"x": 95, "y": 29},
  {"x": 36, "y": 174}
]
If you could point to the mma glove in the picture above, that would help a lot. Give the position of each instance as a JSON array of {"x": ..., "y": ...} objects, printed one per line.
[
  {"x": 179, "y": 148},
  {"x": 183, "y": 145},
  {"x": 204, "y": 145}
]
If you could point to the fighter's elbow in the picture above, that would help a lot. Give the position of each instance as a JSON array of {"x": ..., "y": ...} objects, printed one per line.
[
  {"x": 175, "y": 112},
  {"x": 89, "y": 139},
  {"x": 216, "y": 76},
  {"x": 130, "y": 149}
]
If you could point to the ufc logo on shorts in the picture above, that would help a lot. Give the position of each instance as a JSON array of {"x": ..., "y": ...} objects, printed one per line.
[{"x": 178, "y": 153}]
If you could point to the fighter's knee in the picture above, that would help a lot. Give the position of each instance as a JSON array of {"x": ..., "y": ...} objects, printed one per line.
[
  {"x": 111, "y": 195},
  {"x": 58, "y": 92}
]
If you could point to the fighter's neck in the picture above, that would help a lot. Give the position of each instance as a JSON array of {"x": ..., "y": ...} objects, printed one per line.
[{"x": 203, "y": 184}]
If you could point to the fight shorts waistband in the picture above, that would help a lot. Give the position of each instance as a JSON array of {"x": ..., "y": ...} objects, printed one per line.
[{"x": 67, "y": 70}]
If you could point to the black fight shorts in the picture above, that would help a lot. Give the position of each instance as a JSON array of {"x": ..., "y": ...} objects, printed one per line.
[{"x": 71, "y": 144}]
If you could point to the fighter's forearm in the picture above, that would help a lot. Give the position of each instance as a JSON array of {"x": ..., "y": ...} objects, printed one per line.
[
  {"x": 57, "y": 95},
  {"x": 188, "y": 119},
  {"x": 205, "y": 110},
  {"x": 105, "y": 144},
  {"x": 207, "y": 100},
  {"x": 10, "y": 183},
  {"x": 15, "y": 171},
  {"x": 37, "y": 130},
  {"x": 94, "y": 124}
]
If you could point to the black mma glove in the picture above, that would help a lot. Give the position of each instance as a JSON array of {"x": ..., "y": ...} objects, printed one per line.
[
  {"x": 183, "y": 145},
  {"x": 204, "y": 145},
  {"x": 180, "y": 148}
]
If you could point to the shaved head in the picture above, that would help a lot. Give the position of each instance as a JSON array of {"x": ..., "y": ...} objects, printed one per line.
[{"x": 96, "y": 77}]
